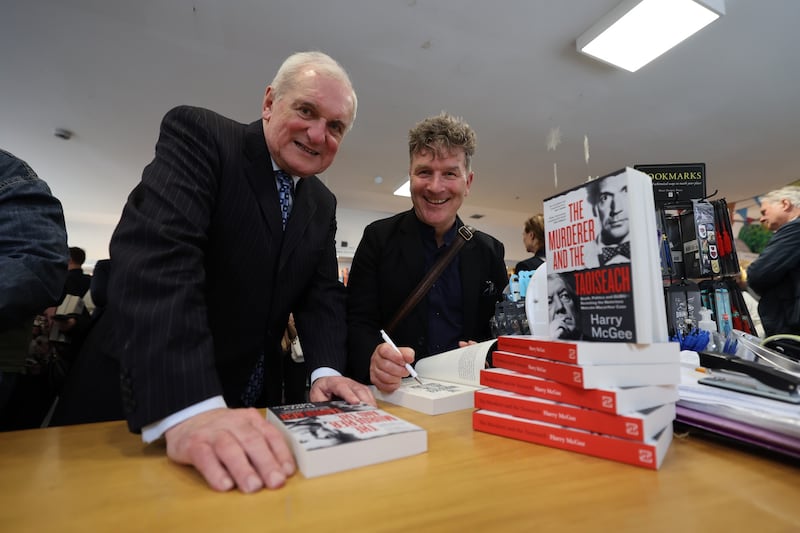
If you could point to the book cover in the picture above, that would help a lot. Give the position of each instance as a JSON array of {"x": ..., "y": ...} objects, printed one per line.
[
  {"x": 603, "y": 262},
  {"x": 634, "y": 426},
  {"x": 449, "y": 380},
  {"x": 615, "y": 400},
  {"x": 328, "y": 437},
  {"x": 591, "y": 376},
  {"x": 593, "y": 353},
  {"x": 647, "y": 454}
]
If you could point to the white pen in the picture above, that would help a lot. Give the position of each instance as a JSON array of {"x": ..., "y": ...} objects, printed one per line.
[{"x": 410, "y": 368}]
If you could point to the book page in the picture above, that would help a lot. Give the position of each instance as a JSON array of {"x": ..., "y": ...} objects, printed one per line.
[
  {"x": 462, "y": 365},
  {"x": 433, "y": 389}
]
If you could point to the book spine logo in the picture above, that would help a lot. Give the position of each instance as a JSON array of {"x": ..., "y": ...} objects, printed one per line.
[
  {"x": 572, "y": 354},
  {"x": 632, "y": 429},
  {"x": 607, "y": 402},
  {"x": 646, "y": 457},
  {"x": 577, "y": 376}
]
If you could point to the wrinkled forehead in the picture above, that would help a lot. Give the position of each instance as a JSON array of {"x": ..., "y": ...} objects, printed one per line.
[
  {"x": 324, "y": 91},
  {"x": 440, "y": 151}
]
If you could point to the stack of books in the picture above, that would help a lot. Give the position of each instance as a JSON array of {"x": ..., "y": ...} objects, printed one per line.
[
  {"x": 609, "y": 400},
  {"x": 605, "y": 381}
]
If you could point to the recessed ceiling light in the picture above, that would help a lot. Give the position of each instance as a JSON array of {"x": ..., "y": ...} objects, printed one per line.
[
  {"x": 638, "y": 31},
  {"x": 404, "y": 189}
]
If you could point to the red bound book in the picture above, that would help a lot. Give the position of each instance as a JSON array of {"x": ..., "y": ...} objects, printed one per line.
[
  {"x": 592, "y": 353},
  {"x": 648, "y": 454},
  {"x": 618, "y": 400},
  {"x": 637, "y": 426},
  {"x": 591, "y": 376}
]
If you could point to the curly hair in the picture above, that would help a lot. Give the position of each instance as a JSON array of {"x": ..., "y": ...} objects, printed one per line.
[{"x": 442, "y": 134}]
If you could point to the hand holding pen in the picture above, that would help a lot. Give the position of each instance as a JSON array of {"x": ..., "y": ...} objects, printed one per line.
[{"x": 408, "y": 366}]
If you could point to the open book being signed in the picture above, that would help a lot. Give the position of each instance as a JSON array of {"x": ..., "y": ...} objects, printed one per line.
[{"x": 449, "y": 381}]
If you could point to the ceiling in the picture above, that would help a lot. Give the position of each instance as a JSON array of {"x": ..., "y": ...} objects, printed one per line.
[{"x": 108, "y": 70}]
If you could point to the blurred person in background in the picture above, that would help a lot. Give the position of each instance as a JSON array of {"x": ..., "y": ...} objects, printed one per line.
[
  {"x": 775, "y": 274},
  {"x": 33, "y": 268},
  {"x": 533, "y": 238}
]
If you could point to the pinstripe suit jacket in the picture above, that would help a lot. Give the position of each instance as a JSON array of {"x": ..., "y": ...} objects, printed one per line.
[
  {"x": 388, "y": 265},
  {"x": 203, "y": 277}
]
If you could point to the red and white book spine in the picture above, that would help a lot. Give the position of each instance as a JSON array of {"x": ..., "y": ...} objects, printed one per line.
[
  {"x": 592, "y": 353},
  {"x": 590, "y": 376},
  {"x": 636, "y": 426},
  {"x": 614, "y": 400},
  {"x": 649, "y": 454}
]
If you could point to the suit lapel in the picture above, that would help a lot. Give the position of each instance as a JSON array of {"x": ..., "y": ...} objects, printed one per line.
[
  {"x": 411, "y": 252},
  {"x": 258, "y": 169},
  {"x": 303, "y": 210}
]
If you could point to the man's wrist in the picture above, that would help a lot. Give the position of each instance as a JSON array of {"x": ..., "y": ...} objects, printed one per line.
[
  {"x": 322, "y": 372},
  {"x": 156, "y": 430}
]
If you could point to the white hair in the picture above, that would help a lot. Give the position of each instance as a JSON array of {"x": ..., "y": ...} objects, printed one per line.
[
  {"x": 790, "y": 193},
  {"x": 294, "y": 64}
]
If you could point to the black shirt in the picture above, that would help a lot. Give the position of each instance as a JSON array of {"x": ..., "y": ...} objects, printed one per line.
[
  {"x": 445, "y": 309},
  {"x": 529, "y": 264}
]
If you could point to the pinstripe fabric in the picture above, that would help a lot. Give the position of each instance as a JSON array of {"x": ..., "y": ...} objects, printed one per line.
[
  {"x": 204, "y": 277},
  {"x": 255, "y": 383}
]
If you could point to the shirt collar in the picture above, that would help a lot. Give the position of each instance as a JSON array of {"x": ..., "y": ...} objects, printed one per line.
[
  {"x": 276, "y": 168},
  {"x": 429, "y": 233}
]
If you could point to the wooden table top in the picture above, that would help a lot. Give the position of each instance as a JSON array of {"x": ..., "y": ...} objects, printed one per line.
[{"x": 99, "y": 477}]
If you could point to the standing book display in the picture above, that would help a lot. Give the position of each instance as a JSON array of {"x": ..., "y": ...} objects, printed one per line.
[
  {"x": 603, "y": 262},
  {"x": 605, "y": 381}
]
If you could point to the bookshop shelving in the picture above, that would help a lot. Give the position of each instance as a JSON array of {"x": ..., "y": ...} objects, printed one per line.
[{"x": 700, "y": 266}]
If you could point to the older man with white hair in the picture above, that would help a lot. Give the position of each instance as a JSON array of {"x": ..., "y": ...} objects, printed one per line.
[{"x": 775, "y": 275}]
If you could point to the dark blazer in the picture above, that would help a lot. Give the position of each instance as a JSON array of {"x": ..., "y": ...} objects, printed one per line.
[
  {"x": 775, "y": 276},
  {"x": 532, "y": 263},
  {"x": 388, "y": 265},
  {"x": 204, "y": 278}
]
